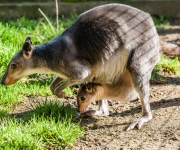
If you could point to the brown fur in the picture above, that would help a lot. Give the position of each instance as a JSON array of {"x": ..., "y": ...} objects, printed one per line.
[{"x": 122, "y": 91}]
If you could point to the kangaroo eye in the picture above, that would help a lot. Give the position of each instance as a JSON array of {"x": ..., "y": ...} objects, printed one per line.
[
  {"x": 82, "y": 98},
  {"x": 13, "y": 66}
]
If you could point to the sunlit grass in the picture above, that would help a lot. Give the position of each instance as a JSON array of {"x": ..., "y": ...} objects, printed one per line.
[
  {"x": 48, "y": 126},
  {"x": 161, "y": 21},
  {"x": 165, "y": 69},
  {"x": 168, "y": 65}
]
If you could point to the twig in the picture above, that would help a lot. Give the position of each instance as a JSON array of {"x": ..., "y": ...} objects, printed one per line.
[
  {"x": 47, "y": 20},
  {"x": 57, "y": 13}
]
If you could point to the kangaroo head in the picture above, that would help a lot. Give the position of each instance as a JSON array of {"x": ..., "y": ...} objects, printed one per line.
[
  {"x": 20, "y": 64},
  {"x": 86, "y": 94}
]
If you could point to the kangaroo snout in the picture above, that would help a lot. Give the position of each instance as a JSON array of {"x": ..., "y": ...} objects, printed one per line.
[
  {"x": 4, "y": 80},
  {"x": 7, "y": 81},
  {"x": 82, "y": 109}
]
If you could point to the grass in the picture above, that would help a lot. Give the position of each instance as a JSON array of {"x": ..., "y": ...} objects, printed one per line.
[
  {"x": 161, "y": 21},
  {"x": 168, "y": 65},
  {"x": 165, "y": 69},
  {"x": 50, "y": 124}
]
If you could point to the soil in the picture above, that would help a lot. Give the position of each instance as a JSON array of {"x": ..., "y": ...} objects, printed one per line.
[{"x": 108, "y": 133}]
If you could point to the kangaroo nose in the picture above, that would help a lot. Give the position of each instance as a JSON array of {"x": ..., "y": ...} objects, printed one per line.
[{"x": 3, "y": 79}]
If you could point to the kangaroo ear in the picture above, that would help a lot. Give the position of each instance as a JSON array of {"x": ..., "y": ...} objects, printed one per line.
[
  {"x": 89, "y": 88},
  {"x": 27, "y": 48},
  {"x": 28, "y": 39}
]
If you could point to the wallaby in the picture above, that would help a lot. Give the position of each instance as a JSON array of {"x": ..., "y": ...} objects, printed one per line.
[
  {"x": 123, "y": 91},
  {"x": 97, "y": 48}
]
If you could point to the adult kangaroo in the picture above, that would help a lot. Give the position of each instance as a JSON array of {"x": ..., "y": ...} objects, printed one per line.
[{"x": 97, "y": 48}]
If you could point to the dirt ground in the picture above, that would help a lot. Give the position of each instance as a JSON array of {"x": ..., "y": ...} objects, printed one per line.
[{"x": 161, "y": 133}]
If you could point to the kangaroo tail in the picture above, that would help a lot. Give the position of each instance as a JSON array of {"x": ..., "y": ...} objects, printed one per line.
[{"x": 169, "y": 49}]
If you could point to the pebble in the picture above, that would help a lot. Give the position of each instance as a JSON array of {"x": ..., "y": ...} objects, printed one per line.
[
  {"x": 177, "y": 135},
  {"x": 95, "y": 126}
]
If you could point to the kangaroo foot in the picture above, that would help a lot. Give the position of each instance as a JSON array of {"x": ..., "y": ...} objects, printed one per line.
[{"x": 139, "y": 122}]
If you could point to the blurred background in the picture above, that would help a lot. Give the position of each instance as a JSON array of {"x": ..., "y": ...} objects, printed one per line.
[{"x": 29, "y": 8}]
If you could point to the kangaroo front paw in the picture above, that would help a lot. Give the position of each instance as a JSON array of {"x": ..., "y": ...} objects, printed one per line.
[
  {"x": 52, "y": 88},
  {"x": 59, "y": 94},
  {"x": 139, "y": 122},
  {"x": 62, "y": 95}
]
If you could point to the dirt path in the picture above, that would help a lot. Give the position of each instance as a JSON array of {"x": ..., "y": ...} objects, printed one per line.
[{"x": 161, "y": 133}]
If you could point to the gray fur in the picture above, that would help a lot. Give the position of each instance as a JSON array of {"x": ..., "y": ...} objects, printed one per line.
[{"x": 97, "y": 48}]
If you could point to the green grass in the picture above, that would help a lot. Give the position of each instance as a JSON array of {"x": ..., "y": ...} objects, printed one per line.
[
  {"x": 168, "y": 65},
  {"x": 161, "y": 21},
  {"x": 164, "y": 69},
  {"x": 48, "y": 126}
]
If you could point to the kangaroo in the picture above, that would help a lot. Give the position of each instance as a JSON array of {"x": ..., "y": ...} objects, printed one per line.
[
  {"x": 97, "y": 48},
  {"x": 123, "y": 91}
]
